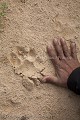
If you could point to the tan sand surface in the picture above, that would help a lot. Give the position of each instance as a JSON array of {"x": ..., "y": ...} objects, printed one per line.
[{"x": 30, "y": 25}]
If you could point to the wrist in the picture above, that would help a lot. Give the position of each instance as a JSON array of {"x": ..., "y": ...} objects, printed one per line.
[{"x": 73, "y": 81}]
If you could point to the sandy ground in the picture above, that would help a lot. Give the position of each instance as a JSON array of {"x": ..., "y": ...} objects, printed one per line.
[{"x": 29, "y": 27}]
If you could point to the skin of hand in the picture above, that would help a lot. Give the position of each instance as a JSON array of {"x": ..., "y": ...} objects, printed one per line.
[{"x": 64, "y": 60}]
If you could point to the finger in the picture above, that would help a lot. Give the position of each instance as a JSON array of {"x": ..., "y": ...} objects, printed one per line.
[
  {"x": 65, "y": 48},
  {"x": 52, "y": 55},
  {"x": 58, "y": 48},
  {"x": 50, "y": 79},
  {"x": 73, "y": 50}
]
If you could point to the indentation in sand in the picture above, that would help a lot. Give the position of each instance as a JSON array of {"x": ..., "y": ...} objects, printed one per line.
[{"x": 27, "y": 65}]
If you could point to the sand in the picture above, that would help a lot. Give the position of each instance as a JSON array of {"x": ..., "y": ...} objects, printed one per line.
[{"x": 31, "y": 25}]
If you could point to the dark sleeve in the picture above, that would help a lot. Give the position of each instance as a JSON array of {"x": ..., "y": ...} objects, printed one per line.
[{"x": 73, "y": 82}]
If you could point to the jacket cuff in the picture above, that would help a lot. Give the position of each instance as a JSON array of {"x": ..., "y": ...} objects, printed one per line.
[{"x": 73, "y": 81}]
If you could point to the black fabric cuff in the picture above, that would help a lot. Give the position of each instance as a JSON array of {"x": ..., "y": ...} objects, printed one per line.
[{"x": 73, "y": 82}]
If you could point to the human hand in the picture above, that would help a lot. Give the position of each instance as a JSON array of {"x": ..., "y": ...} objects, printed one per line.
[{"x": 64, "y": 61}]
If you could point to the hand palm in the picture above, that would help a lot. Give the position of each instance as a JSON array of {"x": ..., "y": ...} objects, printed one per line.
[{"x": 64, "y": 61}]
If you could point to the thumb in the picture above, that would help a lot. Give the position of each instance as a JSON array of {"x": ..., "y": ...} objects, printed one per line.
[{"x": 50, "y": 79}]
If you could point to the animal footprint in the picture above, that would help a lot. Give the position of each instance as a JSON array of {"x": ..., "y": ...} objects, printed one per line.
[
  {"x": 24, "y": 64},
  {"x": 27, "y": 68}
]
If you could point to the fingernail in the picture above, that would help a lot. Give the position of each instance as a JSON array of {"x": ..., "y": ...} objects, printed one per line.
[
  {"x": 55, "y": 41},
  {"x": 62, "y": 39},
  {"x": 49, "y": 47},
  {"x": 72, "y": 42}
]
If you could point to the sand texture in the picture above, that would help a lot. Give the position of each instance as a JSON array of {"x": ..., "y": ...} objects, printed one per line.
[{"x": 29, "y": 26}]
